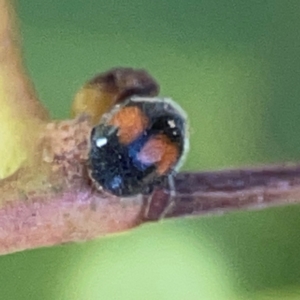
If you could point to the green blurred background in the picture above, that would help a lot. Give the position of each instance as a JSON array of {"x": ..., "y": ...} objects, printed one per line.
[{"x": 235, "y": 67}]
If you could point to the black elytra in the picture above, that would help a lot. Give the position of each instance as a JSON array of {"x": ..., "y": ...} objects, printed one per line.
[{"x": 115, "y": 167}]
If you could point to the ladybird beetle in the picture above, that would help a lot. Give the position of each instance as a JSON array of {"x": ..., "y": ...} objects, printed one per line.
[{"x": 138, "y": 145}]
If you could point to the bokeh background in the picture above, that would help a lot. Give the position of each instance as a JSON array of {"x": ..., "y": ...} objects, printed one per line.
[{"x": 235, "y": 68}]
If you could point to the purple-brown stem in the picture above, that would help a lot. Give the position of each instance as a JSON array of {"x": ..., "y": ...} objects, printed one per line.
[{"x": 228, "y": 190}]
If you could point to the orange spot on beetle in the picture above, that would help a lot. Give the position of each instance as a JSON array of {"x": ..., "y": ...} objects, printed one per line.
[
  {"x": 131, "y": 123},
  {"x": 161, "y": 151}
]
